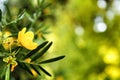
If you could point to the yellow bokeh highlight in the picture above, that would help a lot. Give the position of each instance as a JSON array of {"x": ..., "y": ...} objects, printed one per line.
[
  {"x": 110, "y": 55},
  {"x": 112, "y": 71}
]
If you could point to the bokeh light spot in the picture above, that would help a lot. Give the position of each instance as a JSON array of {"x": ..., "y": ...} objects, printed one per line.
[
  {"x": 110, "y": 14},
  {"x": 111, "y": 57},
  {"x": 100, "y": 27},
  {"x": 112, "y": 71},
  {"x": 79, "y": 30},
  {"x": 116, "y": 6},
  {"x": 98, "y": 19},
  {"x": 101, "y": 4}
]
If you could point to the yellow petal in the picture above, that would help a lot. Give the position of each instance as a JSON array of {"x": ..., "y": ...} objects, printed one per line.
[
  {"x": 29, "y": 44},
  {"x": 21, "y": 34},
  {"x": 29, "y": 35},
  {"x": 26, "y": 39}
]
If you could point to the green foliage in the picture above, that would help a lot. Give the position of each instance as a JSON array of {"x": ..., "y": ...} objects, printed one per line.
[
  {"x": 13, "y": 54},
  {"x": 35, "y": 50},
  {"x": 52, "y": 60},
  {"x": 35, "y": 65},
  {"x": 7, "y": 73},
  {"x": 39, "y": 54}
]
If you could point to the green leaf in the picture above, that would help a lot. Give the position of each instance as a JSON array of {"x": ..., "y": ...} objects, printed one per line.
[
  {"x": 2, "y": 73},
  {"x": 2, "y": 49},
  {"x": 36, "y": 50},
  {"x": 3, "y": 68},
  {"x": 45, "y": 71},
  {"x": 36, "y": 68},
  {"x": 21, "y": 15},
  {"x": 52, "y": 60},
  {"x": 0, "y": 15},
  {"x": 17, "y": 49},
  {"x": 43, "y": 37},
  {"x": 40, "y": 2},
  {"x": 29, "y": 17},
  {"x": 28, "y": 68},
  {"x": 9, "y": 15},
  {"x": 42, "y": 52},
  {"x": 7, "y": 74},
  {"x": 46, "y": 5},
  {"x": 14, "y": 35},
  {"x": 25, "y": 67}
]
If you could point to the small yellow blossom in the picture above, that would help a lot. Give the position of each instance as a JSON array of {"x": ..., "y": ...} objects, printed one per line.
[
  {"x": 34, "y": 72},
  {"x": 26, "y": 39},
  {"x": 6, "y": 34},
  {"x": 13, "y": 67},
  {"x": 28, "y": 60},
  {"x": 11, "y": 60},
  {"x": 7, "y": 41}
]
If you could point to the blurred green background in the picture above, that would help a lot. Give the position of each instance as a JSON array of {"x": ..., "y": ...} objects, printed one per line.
[{"x": 87, "y": 32}]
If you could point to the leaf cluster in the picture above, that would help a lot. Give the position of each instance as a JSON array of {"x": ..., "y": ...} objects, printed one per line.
[
  {"x": 32, "y": 19},
  {"x": 36, "y": 54}
]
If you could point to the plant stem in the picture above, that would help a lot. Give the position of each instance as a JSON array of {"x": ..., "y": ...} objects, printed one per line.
[{"x": 7, "y": 74}]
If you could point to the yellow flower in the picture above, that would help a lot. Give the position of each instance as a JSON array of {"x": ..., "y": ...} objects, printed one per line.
[
  {"x": 28, "y": 60},
  {"x": 11, "y": 60},
  {"x": 7, "y": 41},
  {"x": 26, "y": 39}
]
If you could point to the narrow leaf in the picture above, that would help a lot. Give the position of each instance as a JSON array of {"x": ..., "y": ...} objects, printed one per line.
[
  {"x": 21, "y": 15},
  {"x": 42, "y": 52},
  {"x": 2, "y": 49},
  {"x": 46, "y": 5},
  {"x": 25, "y": 67},
  {"x": 17, "y": 50},
  {"x": 45, "y": 71},
  {"x": 35, "y": 68},
  {"x": 2, "y": 72},
  {"x": 43, "y": 37},
  {"x": 28, "y": 69},
  {"x": 29, "y": 17},
  {"x": 7, "y": 75},
  {"x": 14, "y": 35},
  {"x": 8, "y": 11},
  {"x": 40, "y": 2},
  {"x": 3, "y": 68},
  {"x": 52, "y": 60},
  {"x": 36, "y": 50}
]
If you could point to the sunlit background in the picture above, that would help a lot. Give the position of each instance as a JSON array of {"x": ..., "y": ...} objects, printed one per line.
[{"x": 87, "y": 32}]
